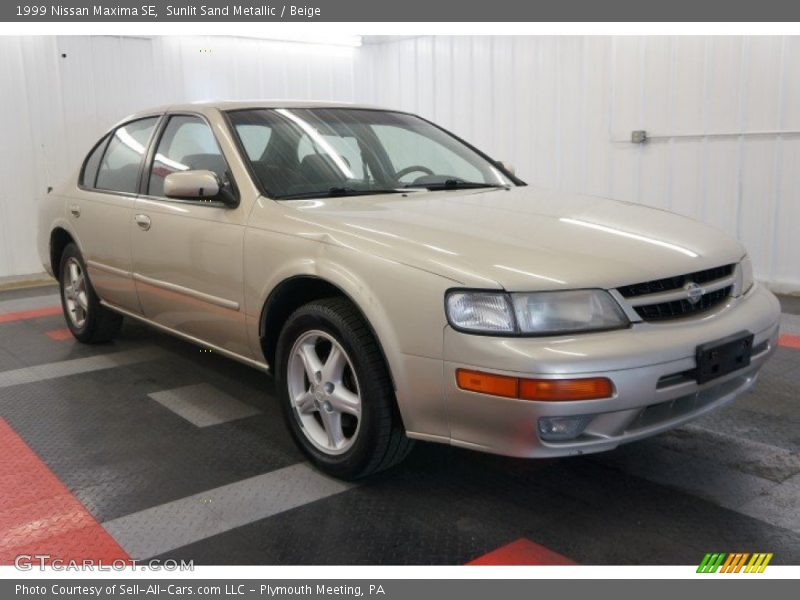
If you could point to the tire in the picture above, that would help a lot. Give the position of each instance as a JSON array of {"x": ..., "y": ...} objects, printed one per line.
[
  {"x": 364, "y": 443},
  {"x": 87, "y": 319}
]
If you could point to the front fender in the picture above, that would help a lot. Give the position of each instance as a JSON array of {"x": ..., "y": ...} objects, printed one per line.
[{"x": 404, "y": 306}]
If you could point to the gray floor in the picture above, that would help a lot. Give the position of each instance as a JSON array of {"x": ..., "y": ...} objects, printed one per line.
[{"x": 183, "y": 454}]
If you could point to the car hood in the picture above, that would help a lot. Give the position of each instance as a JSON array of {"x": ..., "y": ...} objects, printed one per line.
[{"x": 519, "y": 239}]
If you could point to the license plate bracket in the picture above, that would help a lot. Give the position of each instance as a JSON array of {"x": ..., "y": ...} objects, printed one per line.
[{"x": 720, "y": 357}]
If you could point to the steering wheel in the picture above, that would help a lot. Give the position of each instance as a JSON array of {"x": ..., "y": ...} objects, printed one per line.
[{"x": 412, "y": 169}]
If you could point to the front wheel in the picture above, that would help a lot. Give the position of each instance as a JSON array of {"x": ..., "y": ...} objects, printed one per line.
[{"x": 336, "y": 393}]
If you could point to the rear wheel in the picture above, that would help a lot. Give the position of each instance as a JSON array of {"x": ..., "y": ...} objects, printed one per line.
[
  {"x": 87, "y": 319},
  {"x": 336, "y": 392}
]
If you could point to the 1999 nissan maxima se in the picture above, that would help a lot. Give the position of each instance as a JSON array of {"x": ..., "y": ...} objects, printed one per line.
[{"x": 402, "y": 285}]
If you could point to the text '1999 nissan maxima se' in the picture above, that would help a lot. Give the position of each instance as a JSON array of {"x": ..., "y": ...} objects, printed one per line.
[{"x": 402, "y": 285}]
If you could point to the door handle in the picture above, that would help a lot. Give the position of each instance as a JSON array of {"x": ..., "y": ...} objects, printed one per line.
[
  {"x": 143, "y": 221},
  {"x": 75, "y": 210}
]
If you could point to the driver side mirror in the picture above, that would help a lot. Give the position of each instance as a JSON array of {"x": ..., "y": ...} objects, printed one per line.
[
  {"x": 507, "y": 167},
  {"x": 197, "y": 185}
]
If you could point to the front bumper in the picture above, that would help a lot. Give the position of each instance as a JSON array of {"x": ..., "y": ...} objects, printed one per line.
[{"x": 650, "y": 365}]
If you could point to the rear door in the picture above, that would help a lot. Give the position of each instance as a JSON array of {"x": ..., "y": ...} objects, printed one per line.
[
  {"x": 102, "y": 208},
  {"x": 187, "y": 254}
]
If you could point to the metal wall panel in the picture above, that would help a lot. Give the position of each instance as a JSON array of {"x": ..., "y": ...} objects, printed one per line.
[
  {"x": 54, "y": 107},
  {"x": 561, "y": 109}
]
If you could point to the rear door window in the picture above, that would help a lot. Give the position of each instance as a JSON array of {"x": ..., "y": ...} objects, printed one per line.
[
  {"x": 92, "y": 163},
  {"x": 119, "y": 169}
]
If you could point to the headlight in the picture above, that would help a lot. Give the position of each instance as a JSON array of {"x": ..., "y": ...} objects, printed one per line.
[
  {"x": 744, "y": 275},
  {"x": 538, "y": 313},
  {"x": 563, "y": 312},
  {"x": 488, "y": 312}
]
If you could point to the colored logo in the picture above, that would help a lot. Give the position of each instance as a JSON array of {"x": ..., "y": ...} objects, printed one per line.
[{"x": 735, "y": 562}]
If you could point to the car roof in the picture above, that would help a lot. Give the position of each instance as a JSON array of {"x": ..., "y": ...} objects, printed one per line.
[{"x": 245, "y": 104}]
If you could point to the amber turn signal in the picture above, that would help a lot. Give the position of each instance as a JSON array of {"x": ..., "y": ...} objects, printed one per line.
[
  {"x": 486, "y": 383},
  {"x": 565, "y": 389},
  {"x": 549, "y": 390}
]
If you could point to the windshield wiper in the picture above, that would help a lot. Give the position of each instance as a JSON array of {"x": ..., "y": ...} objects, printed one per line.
[
  {"x": 455, "y": 184},
  {"x": 341, "y": 191}
]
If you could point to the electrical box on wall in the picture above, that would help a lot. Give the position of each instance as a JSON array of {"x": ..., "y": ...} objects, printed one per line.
[{"x": 639, "y": 136}]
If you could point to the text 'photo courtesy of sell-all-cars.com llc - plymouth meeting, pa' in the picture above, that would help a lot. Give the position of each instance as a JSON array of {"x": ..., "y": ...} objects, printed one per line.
[{"x": 401, "y": 285}]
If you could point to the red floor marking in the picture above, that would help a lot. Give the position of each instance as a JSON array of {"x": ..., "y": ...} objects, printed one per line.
[
  {"x": 522, "y": 552},
  {"x": 789, "y": 341},
  {"x": 30, "y": 314},
  {"x": 60, "y": 334},
  {"x": 38, "y": 514}
]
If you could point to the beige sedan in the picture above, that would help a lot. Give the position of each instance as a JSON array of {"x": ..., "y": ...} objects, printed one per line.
[{"x": 401, "y": 285}]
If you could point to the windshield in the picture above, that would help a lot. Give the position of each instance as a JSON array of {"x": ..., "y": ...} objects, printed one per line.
[{"x": 308, "y": 152}]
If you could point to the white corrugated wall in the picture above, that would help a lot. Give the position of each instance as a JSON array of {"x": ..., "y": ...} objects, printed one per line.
[
  {"x": 561, "y": 109},
  {"x": 54, "y": 107}
]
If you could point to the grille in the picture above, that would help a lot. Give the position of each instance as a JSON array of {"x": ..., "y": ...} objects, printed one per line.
[
  {"x": 675, "y": 283},
  {"x": 679, "y": 307}
]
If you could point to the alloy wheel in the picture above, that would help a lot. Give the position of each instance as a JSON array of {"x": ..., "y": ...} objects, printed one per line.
[
  {"x": 75, "y": 295},
  {"x": 324, "y": 392}
]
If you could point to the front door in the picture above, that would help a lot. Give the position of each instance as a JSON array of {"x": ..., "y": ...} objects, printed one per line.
[{"x": 187, "y": 254}]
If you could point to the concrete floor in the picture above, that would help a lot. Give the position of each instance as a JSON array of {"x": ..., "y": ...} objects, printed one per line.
[{"x": 161, "y": 450}]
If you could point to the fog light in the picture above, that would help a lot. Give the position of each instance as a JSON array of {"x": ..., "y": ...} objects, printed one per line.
[{"x": 560, "y": 429}]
